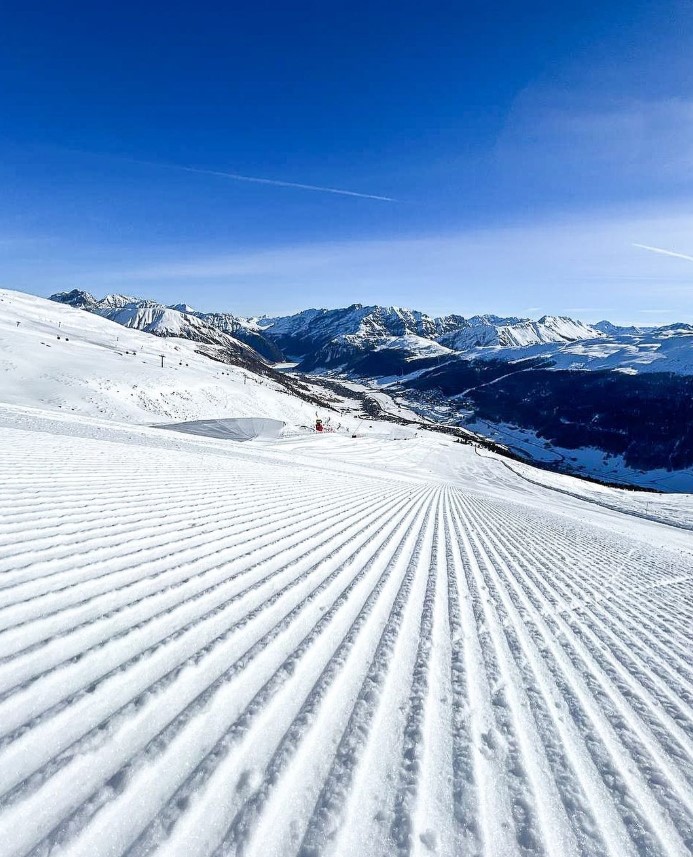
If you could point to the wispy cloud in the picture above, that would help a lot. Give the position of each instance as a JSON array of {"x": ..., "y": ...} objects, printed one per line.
[
  {"x": 585, "y": 263},
  {"x": 607, "y": 143},
  {"x": 664, "y": 252},
  {"x": 257, "y": 180}
]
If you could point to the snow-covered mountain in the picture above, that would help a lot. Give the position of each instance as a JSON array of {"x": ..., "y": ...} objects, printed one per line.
[
  {"x": 333, "y": 338},
  {"x": 223, "y": 329},
  {"x": 162, "y": 321},
  {"x": 341, "y": 339},
  {"x": 318, "y": 644},
  {"x": 663, "y": 349},
  {"x": 320, "y": 325},
  {"x": 369, "y": 325},
  {"x": 554, "y": 383},
  {"x": 480, "y": 331},
  {"x": 58, "y": 358},
  {"x": 668, "y": 330},
  {"x": 148, "y": 316},
  {"x": 336, "y": 338},
  {"x": 328, "y": 336},
  {"x": 616, "y": 329},
  {"x": 586, "y": 403}
]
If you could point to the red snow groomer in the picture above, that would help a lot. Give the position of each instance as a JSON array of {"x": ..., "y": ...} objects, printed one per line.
[{"x": 318, "y": 425}]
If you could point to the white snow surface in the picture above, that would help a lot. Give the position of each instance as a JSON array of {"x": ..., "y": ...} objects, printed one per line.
[
  {"x": 483, "y": 331},
  {"x": 58, "y": 357},
  {"x": 320, "y": 645},
  {"x": 414, "y": 346},
  {"x": 238, "y": 428},
  {"x": 658, "y": 350},
  {"x": 357, "y": 322},
  {"x": 367, "y": 326}
]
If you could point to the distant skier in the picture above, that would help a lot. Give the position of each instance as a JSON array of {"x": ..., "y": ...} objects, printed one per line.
[{"x": 318, "y": 424}]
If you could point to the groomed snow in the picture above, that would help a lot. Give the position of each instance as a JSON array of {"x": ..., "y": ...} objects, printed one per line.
[{"x": 320, "y": 645}]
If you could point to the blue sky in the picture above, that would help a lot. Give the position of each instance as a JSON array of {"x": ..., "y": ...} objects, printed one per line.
[{"x": 521, "y": 150}]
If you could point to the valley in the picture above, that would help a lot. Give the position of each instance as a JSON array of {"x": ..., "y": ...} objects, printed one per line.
[{"x": 557, "y": 392}]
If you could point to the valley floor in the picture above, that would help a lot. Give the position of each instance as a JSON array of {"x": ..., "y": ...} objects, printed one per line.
[{"x": 334, "y": 646}]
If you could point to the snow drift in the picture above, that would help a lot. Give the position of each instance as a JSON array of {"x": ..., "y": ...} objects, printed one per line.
[{"x": 238, "y": 428}]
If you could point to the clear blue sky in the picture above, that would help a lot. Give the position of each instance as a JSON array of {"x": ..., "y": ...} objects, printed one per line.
[{"x": 525, "y": 148}]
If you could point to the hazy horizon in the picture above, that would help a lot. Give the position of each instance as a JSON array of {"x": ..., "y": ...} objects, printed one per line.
[{"x": 531, "y": 313}]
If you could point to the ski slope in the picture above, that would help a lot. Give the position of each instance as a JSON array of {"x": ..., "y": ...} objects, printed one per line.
[
  {"x": 309, "y": 644},
  {"x": 320, "y": 645},
  {"x": 64, "y": 359}
]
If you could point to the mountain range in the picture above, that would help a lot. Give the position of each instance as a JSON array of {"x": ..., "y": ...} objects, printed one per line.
[
  {"x": 598, "y": 399},
  {"x": 332, "y": 335}
]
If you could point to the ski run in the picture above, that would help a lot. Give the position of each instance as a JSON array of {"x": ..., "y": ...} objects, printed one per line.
[{"x": 327, "y": 645}]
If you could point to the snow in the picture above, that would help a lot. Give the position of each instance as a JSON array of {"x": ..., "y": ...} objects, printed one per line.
[
  {"x": 659, "y": 350},
  {"x": 586, "y": 460},
  {"x": 57, "y": 357},
  {"x": 164, "y": 322},
  {"x": 118, "y": 301},
  {"x": 240, "y": 429},
  {"x": 316, "y": 644},
  {"x": 414, "y": 346},
  {"x": 488, "y": 331},
  {"x": 361, "y": 326}
]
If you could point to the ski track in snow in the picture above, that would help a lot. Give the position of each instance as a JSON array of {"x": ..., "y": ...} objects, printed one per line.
[{"x": 232, "y": 653}]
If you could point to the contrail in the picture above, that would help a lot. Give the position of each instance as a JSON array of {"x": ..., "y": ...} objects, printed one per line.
[
  {"x": 256, "y": 180},
  {"x": 664, "y": 252}
]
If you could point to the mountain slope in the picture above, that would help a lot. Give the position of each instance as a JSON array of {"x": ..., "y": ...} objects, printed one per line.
[
  {"x": 322, "y": 646},
  {"x": 485, "y": 330},
  {"x": 329, "y": 338},
  {"x": 57, "y": 357},
  {"x": 180, "y": 320},
  {"x": 617, "y": 408},
  {"x": 333, "y": 338},
  {"x": 564, "y": 393},
  {"x": 616, "y": 329},
  {"x": 317, "y": 644}
]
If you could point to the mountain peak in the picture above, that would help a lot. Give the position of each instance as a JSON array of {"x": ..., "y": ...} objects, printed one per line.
[
  {"x": 75, "y": 298},
  {"x": 116, "y": 301}
]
